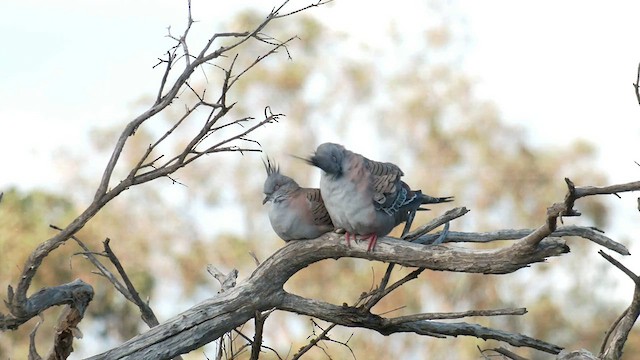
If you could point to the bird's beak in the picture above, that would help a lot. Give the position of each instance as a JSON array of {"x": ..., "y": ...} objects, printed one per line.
[{"x": 266, "y": 199}]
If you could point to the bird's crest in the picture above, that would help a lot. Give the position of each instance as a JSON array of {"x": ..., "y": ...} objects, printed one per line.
[{"x": 271, "y": 168}]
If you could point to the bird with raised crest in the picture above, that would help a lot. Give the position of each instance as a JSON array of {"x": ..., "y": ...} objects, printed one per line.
[{"x": 295, "y": 213}]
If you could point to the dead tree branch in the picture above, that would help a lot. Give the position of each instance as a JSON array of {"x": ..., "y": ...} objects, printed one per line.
[
  {"x": 132, "y": 294},
  {"x": 616, "y": 336},
  {"x": 314, "y": 342},
  {"x": 352, "y": 317},
  {"x": 636, "y": 87},
  {"x": 33, "y": 352},
  {"x": 418, "y": 235},
  {"x": 76, "y": 293},
  {"x": 232, "y": 308},
  {"x": 504, "y": 352},
  {"x": 589, "y": 233}
]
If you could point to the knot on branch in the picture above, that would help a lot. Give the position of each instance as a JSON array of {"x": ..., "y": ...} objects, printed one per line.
[{"x": 227, "y": 281}]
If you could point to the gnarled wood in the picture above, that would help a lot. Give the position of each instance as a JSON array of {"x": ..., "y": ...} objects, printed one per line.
[
  {"x": 76, "y": 293},
  {"x": 210, "y": 319}
]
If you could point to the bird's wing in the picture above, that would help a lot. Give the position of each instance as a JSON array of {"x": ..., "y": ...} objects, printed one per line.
[
  {"x": 319, "y": 212},
  {"x": 388, "y": 193}
]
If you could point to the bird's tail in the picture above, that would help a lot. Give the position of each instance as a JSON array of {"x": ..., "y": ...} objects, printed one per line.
[
  {"x": 427, "y": 199},
  {"x": 409, "y": 211}
]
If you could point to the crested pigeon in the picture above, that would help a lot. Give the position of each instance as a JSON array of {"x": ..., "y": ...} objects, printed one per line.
[
  {"x": 295, "y": 213},
  {"x": 366, "y": 197}
]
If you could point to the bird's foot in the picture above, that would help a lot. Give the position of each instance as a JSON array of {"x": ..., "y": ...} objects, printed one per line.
[
  {"x": 373, "y": 239},
  {"x": 347, "y": 237}
]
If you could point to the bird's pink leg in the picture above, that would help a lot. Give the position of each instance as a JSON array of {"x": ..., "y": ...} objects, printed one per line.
[
  {"x": 347, "y": 236},
  {"x": 373, "y": 239}
]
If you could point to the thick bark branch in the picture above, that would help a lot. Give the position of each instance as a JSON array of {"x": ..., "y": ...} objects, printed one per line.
[
  {"x": 199, "y": 325},
  {"x": 589, "y": 233},
  {"x": 263, "y": 291},
  {"x": 76, "y": 293}
]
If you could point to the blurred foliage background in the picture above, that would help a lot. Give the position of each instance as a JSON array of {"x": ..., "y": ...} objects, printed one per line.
[{"x": 410, "y": 105}]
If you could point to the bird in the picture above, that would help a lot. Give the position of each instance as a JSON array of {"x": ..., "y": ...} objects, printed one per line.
[
  {"x": 295, "y": 213},
  {"x": 366, "y": 197}
]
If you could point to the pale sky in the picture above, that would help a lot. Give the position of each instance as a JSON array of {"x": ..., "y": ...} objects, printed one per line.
[{"x": 562, "y": 69}]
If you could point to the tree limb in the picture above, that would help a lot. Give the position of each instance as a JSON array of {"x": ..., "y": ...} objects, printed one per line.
[
  {"x": 76, "y": 293},
  {"x": 352, "y": 317},
  {"x": 616, "y": 336},
  {"x": 209, "y": 320},
  {"x": 636, "y": 86},
  {"x": 590, "y": 233}
]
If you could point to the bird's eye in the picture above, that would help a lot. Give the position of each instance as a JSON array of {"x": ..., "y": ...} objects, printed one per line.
[
  {"x": 334, "y": 158},
  {"x": 275, "y": 188}
]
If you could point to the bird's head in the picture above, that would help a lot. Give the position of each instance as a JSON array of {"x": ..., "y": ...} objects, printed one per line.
[
  {"x": 329, "y": 157},
  {"x": 276, "y": 186}
]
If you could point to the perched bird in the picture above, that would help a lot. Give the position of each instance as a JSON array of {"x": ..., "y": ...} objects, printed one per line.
[
  {"x": 295, "y": 213},
  {"x": 366, "y": 197}
]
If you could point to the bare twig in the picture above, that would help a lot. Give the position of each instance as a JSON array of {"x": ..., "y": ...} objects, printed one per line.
[
  {"x": 319, "y": 3},
  {"x": 145, "y": 310},
  {"x": 33, "y": 352},
  {"x": 313, "y": 342},
  {"x": 455, "y": 315},
  {"x": 256, "y": 344},
  {"x": 323, "y": 336},
  {"x": 616, "y": 336},
  {"x": 101, "y": 268},
  {"x": 377, "y": 294},
  {"x": 507, "y": 353},
  {"x": 635, "y": 85},
  {"x": 434, "y": 223},
  {"x": 250, "y": 341},
  {"x": 129, "y": 292},
  {"x": 576, "y": 193},
  {"x": 169, "y": 63},
  {"x": 384, "y": 291}
]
